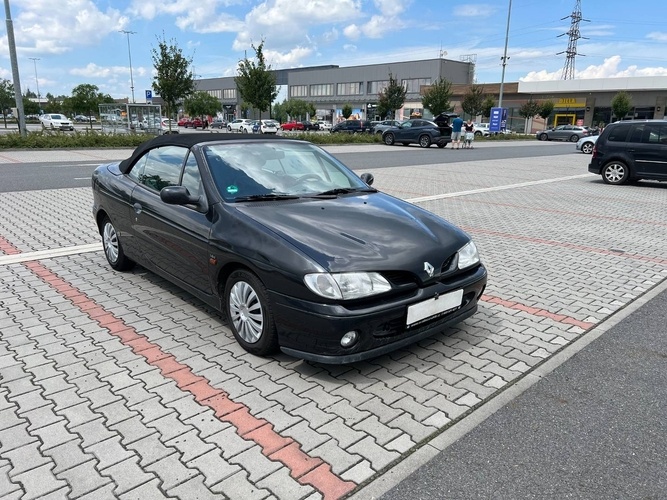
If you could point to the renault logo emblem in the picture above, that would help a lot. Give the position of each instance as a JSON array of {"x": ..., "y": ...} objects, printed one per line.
[{"x": 429, "y": 269}]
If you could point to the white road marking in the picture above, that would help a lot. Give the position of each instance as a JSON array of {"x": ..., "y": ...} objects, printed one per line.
[{"x": 49, "y": 254}]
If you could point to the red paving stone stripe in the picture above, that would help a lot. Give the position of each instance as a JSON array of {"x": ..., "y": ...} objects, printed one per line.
[
  {"x": 7, "y": 248},
  {"x": 560, "y": 318},
  {"x": 564, "y": 244},
  {"x": 305, "y": 469}
]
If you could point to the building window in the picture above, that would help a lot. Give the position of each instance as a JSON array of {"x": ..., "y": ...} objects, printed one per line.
[
  {"x": 321, "y": 89},
  {"x": 298, "y": 91},
  {"x": 413, "y": 85},
  {"x": 350, "y": 88},
  {"x": 376, "y": 87},
  {"x": 215, "y": 93},
  {"x": 229, "y": 94}
]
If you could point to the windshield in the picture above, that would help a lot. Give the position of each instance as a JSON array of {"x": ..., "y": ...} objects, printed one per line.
[{"x": 257, "y": 169}]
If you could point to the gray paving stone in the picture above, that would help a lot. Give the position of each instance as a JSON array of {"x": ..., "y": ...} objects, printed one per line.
[
  {"x": 229, "y": 442},
  {"x": 342, "y": 433},
  {"x": 147, "y": 491},
  {"x": 68, "y": 455},
  {"x": 379, "y": 431},
  {"x": 25, "y": 458},
  {"x": 190, "y": 445},
  {"x": 7, "y": 487},
  {"x": 116, "y": 412},
  {"x": 238, "y": 486},
  {"x": 193, "y": 489},
  {"x": 359, "y": 472},
  {"x": 305, "y": 436},
  {"x": 79, "y": 414},
  {"x": 171, "y": 471},
  {"x": 38, "y": 482},
  {"x": 109, "y": 452},
  {"x": 83, "y": 479},
  {"x": 9, "y": 418},
  {"x": 282, "y": 485},
  {"x": 15, "y": 437},
  {"x": 339, "y": 459},
  {"x": 376, "y": 407},
  {"x": 255, "y": 463},
  {"x": 213, "y": 467},
  {"x": 126, "y": 475},
  {"x": 106, "y": 492},
  {"x": 132, "y": 429}
]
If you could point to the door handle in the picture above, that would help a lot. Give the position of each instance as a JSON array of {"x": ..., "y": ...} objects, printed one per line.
[{"x": 137, "y": 208}]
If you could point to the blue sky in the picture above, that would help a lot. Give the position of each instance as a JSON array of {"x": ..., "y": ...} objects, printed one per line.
[{"x": 78, "y": 41}]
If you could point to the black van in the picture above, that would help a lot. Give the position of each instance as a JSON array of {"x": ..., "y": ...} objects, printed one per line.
[{"x": 631, "y": 150}]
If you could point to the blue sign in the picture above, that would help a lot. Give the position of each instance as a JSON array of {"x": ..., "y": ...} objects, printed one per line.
[
  {"x": 498, "y": 120},
  {"x": 149, "y": 96}
]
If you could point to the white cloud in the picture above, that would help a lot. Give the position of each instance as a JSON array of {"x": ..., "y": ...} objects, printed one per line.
[
  {"x": 482, "y": 10},
  {"x": 657, "y": 35},
  {"x": 353, "y": 32},
  {"x": 391, "y": 8},
  {"x": 92, "y": 70},
  {"x": 608, "y": 69}
]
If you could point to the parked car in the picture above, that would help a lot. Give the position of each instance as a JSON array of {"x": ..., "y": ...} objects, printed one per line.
[
  {"x": 243, "y": 125},
  {"x": 194, "y": 123},
  {"x": 292, "y": 125},
  {"x": 631, "y": 150},
  {"x": 417, "y": 131},
  {"x": 218, "y": 123},
  {"x": 570, "y": 133},
  {"x": 586, "y": 144},
  {"x": 300, "y": 253},
  {"x": 482, "y": 129},
  {"x": 352, "y": 127},
  {"x": 55, "y": 121},
  {"x": 308, "y": 125},
  {"x": 268, "y": 127},
  {"x": 380, "y": 127},
  {"x": 324, "y": 125},
  {"x": 183, "y": 121},
  {"x": 81, "y": 119}
]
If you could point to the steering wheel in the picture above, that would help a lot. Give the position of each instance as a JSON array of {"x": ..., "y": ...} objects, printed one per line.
[{"x": 307, "y": 177}]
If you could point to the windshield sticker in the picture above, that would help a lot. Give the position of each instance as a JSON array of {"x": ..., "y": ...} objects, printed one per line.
[{"x": 232, "y": 189}]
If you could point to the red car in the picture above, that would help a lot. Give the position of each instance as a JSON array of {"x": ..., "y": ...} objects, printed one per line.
[
  {"x": 183, "y": 121},
  {"x": 193, "y": 122},
  {"x": 293, "y": 125}
]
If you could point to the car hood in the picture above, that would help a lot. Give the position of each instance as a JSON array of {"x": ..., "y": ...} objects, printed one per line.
[{"x": 361, "y": 232}]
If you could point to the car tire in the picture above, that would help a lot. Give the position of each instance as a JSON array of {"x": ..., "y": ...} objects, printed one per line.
[
  {"x": 442, "y": 144},
  {"x": 574, "y": 138},
  {"x": 544, "y": 137},
  {"x": 587, "y": 148},
  {"x": 615, "y": 173},
  {"x": 388, "y": 139},
  {"x": 424, "y": 141},
  {"x": 113, "y": 249},
  {"x": 229, "y": 128},
  {"x": 478, "y": 134},
  {"x": 249, "y": 313}
]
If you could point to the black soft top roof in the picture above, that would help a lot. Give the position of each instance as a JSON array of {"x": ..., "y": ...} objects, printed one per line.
[{"x": 186, "y": 140}]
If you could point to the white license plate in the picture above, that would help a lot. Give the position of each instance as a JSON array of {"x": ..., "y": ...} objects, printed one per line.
[{"x": 433, "y": 307}]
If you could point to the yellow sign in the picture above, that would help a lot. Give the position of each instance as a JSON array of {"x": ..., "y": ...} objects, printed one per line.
[{"x": 570, "y": 102}]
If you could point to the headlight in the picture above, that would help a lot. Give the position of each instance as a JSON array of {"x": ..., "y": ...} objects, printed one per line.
[
  {"x": 468, "y": 255},
  {"x": 346, "y": 286}
]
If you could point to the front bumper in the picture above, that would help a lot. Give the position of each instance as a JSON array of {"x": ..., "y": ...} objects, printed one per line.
[{"x": 313, "y": 331}]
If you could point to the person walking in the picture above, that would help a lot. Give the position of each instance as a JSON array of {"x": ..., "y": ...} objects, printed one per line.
[
  {"x": 457, "y": 125},
  {"x": 470, "y": 133}
]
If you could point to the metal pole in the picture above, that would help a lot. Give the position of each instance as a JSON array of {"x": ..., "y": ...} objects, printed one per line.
[
  {"x": 505, "y": 58},
  {"x": 39, "y": 99},
  {"x": 11, "y": 43},
  {"x": 129, "y": 54}
]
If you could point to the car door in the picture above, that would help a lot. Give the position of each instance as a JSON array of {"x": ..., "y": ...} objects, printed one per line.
[
  {"x": 173, "y": 238},
  {"x": 648, "y": 144},
  {"x": 404, "y": 131}
]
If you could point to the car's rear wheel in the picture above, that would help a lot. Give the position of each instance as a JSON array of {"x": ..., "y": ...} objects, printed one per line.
[
  {"x": 587, "y": 148},
  {"x": 425, "y": 141},
  {"x": 544, "y": 137},
  {"x": 615, "y": 172},
  {"x": 574, "y": 138},
  {"x": 388, "y": 139},
  {"x": 478, "y": 134},
  {"x": 113, "y": 250},
  {"x": 229, "y": 128},
  {"x": 249, "y": 313}
]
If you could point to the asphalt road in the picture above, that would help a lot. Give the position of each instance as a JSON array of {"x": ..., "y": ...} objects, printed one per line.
[
  {"x": 595, "y": 428},
  {"x": 76, "y": 173}
]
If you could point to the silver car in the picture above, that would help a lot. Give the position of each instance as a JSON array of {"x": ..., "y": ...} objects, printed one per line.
[
  {"x": 570, "y": 133},
  {"x": 380, "y": 127},
  {"x": 586, "y": 144}
]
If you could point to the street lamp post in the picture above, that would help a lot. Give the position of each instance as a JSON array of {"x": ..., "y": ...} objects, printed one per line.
[
  {"x": 11, "y": 44},
  {"x": 39, "y": 97},
  {"x": 505, "y": 58},
  {"x": 129, "y": 54}
]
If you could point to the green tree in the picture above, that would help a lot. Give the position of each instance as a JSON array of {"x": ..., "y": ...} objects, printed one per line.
[
  {"x": 346, "y": 111},
  {"x": 488, "y": 103},
  {"x": 7, "y": 98},
  {"x": 473, "y": 100},
  {"x": 30, "y": 107},
  {"x": 173, "y": 80},
  {"x": 621, "y": 104},
  {"x": 546, "y": 108},
  {"x": 279, "y": 112},
  {"x": 528, "y": 110},
  {"x": 202, "y": 104},
  {"x": 255, "y": 82},
  {"x": 391, "y": 98},
  {"x": 85, "y": 100},
  {"x": 298, "y": 108}
]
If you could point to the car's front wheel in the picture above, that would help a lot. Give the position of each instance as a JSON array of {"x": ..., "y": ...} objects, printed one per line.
[
  {"x": 544, "y": 137},
  {"x": 229, "y": 128},
  {"x": 113, "y": 250},
  {"x": 478, "y": 134},
  {"x": 388, "y": 139},
  {"x": 425, "y": 141},
  {"x": 574, "y": 138},
  {"x": 615, "y": 172},
  {"x": 587, "y": 148},
  {"x": 249, "y": 313}
]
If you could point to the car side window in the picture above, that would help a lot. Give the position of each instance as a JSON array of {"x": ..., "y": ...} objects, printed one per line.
[
  {"x": 191, "y": 177},
  {"x": 655, "y": 133},
  {"x": 636, "y": 133},
  {"x": 160, "y": 167},
  {"x": 617, "y": 134}
]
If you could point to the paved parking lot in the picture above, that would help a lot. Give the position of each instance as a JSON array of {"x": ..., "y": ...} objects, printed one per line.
[{"x": 120, "y": 385}]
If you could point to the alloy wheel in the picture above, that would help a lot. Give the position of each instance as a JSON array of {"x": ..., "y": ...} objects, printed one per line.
[{"x": 246, "y": 312}]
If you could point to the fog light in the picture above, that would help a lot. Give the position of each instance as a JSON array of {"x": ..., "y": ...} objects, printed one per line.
[{"x": 349, "y": 339}]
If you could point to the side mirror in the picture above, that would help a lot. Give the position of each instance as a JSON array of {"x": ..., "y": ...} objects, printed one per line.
[
  {"x": 367, "y": 178},
  {"x": 178, "y": 195}
]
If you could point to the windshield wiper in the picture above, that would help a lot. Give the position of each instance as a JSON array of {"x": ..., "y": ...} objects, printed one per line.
[
  {"x": 337, "y": 191},
  {"x": 267, "y": 196}
]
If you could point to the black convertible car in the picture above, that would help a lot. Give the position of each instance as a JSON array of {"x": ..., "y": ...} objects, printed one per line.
[{"x": 299, "y": 252}]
